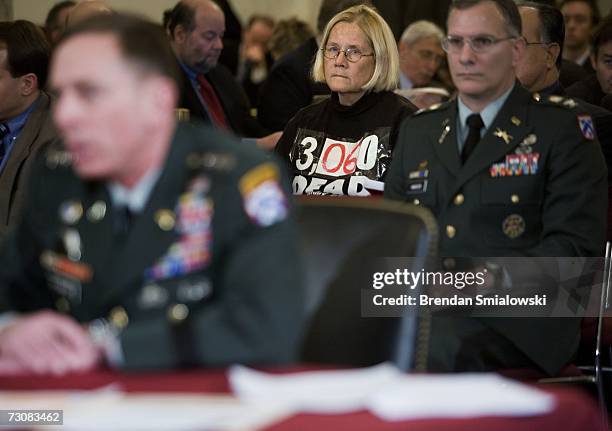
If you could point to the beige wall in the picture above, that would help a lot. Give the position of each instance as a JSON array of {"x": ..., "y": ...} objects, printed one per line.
[{"x": 36, "y": 10}]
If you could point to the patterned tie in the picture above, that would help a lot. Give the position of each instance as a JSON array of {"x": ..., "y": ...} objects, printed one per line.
[
  {"x": 4, "y": 130},
  {"x": 212, "y": 103},
  {"x": 475, "y": 124}
]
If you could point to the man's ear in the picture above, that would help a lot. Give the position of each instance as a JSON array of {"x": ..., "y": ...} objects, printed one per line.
[
  {"x": 28, "y": 84},
  {"x": 180, "y": 34},
  {"x": 554, "y": 51},
  {"x": 518, "y": 50},
  {"x": 593, "y": 61}
]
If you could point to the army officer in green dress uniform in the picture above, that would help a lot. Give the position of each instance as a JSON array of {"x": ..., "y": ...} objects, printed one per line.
[
  {"x": 506, "y": 173},
  {"x": 145, "y": 244}
]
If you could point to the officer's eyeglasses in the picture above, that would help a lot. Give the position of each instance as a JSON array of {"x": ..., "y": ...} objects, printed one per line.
[
  {"x": 478, "y": 44},
  {"x": 543, "y": 44},
  {"x": 352, "y": 54}
]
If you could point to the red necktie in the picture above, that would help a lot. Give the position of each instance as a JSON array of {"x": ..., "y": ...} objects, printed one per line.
[{"x": 212, "y": 103}]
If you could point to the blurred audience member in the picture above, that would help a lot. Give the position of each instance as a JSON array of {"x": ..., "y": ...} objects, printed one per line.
[
  {"x": 87, "y": 9},
  {"x": 56, "y": 20},
  {"x": 287, "y": 36},
  {"x": 595, "y": 87},
  {"x": 209, "y": 90},
  {"x": 420, "y": 53},
  {"x": 581, "y": 17},
  {"x": 425, "y": 97},
  {"x": 343, "y": 144},
  {"x": 25, "y": 112},
  {"x": 289, "y": 86},
  {"x": 255, "y": 59}
]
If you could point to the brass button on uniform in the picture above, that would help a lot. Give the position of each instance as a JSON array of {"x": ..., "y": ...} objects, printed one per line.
[
  {"x": 177, "y": 313},
  {"x": 118, "y": 317},
  {"x": 515, "y": 199},
  {"x": 165, "y": 219},
  {"x": 459, "y": 199},
  {"x": 451, "y": 231}
]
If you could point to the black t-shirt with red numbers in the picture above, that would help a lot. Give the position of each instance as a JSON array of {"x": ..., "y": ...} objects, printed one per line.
[{"x": 334, "y": 149}]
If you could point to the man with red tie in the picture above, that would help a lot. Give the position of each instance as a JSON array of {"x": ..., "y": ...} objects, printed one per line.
[{"x": 209, "y": 90}]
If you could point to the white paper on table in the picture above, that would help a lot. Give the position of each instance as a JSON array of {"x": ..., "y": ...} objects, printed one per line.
[
  {"x": 113, "y": 410},
  {"x": 328, "y": 391},
  {"x": 458, "y": 396}
]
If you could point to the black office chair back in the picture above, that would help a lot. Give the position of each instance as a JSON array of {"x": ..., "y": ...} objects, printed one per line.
[{"x": 342, "y": 241}]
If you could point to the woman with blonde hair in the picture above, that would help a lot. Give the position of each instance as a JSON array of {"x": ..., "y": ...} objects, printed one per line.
[{"x": 342, "y": 145}]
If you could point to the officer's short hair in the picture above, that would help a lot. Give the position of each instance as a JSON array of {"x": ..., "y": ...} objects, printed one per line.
[
  {"x": 602, "y": 35},
  {"x": 552, "y": 25},
  {"x": 420, "y": 30},
  {"x": 380, "y": 36},
  {"x": 507, "y": 8},
  {"x": 28, "y": 50},
  {"x": 140, "y": 41}
]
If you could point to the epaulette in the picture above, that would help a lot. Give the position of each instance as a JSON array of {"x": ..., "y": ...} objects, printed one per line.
[
  {"x": 433, "y": 108},
  {"x": 57, "y": 158},
  {"x": 585, "y": 122},
  {"x": 555, "y": 100},
  {"x": 217, "y": 161}
]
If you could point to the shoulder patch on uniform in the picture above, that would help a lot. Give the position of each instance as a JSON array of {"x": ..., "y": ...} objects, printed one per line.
[
  {"x": 211, "y": 160},
  {"x": 585, "y": 122},
  {"x": 264, "y": 200}
]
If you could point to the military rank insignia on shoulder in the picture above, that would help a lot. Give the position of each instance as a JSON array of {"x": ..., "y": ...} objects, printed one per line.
[
  {"x": 562, "y": 101},
  {"x": 556, "y": 100},
  {"x": 432, "y": 108},
  {"x": 217, "y": 161},
  {"x": 57, "y": 158},
  {"x": 264, "y": 200}
]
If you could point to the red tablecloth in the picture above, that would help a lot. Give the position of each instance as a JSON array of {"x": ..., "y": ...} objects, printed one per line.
[{"x": 575, "y": 411}]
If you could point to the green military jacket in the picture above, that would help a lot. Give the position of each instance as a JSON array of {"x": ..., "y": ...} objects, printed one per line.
[
  {"x": 207, "y": 275},
  {"x": 535, "y": 185}
]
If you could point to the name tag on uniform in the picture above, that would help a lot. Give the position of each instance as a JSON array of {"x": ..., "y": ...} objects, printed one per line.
[{"x": 416, "y": 187}]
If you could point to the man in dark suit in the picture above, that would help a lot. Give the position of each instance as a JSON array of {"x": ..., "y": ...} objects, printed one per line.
[
  {"x": 208, "y": 89},
  {"x": 594, "y": 88},
  {"x": 25, "y": 112},
  {"x": 581, "y": 18},
  {"x": 538, "y": 70},
  {"x": 147, "y": 244},
  {"x": 506, "y": 174}
]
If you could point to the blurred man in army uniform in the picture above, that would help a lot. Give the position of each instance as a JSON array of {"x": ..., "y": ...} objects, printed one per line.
[
  {"x": 146, "y": 244},
  {"x": 506, "y": 174}
]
